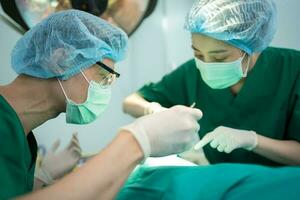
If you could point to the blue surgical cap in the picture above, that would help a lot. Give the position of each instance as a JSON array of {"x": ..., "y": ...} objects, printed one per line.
[
  {"x": 249, "y": 25},
  {"x": 65, "y": 43}
]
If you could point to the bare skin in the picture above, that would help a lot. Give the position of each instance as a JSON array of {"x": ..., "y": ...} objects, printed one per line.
[
  {"x": 208, "y": 49},
  {"x": 34, "y": 106},
  {"x": 103, "y": 176}
]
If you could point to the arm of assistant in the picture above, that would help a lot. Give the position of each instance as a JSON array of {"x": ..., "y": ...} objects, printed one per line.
[
  {"x": 226, "y": 139},
  {"x": 282, "y": 151},
  {"x": 157, "y": 97},
  {"x": 135, "y": 105}
]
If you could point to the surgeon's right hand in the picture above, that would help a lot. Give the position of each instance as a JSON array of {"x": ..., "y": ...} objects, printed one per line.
[{"x": 169, "y": 132}]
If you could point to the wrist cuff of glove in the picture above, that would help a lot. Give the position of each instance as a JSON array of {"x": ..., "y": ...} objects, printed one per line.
[
  {"x": 44, "y": 176},
  {"x": 141, "y": 136},
  {"x": 253, "y": 146}
]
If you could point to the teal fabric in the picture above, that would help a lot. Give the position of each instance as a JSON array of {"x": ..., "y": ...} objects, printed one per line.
[{"x": 221, "y": 181}]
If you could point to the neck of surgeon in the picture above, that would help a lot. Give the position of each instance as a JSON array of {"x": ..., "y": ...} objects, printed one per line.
[{"x": 31, "y": 103}]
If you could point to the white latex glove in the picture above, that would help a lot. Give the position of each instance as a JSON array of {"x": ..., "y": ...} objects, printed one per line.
[
  {"x": 226, "y": 139},
  {"x": 56, "y": 164},
  {"x": 195, "y": 156},
  {"x": 172, "y": 131},
  {"x": 153, "y": 107}
]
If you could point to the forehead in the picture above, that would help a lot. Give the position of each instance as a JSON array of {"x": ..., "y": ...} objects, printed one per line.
[
  {"x": 108, "y": 62},
  {"x": 97, "y": 70},
  {"x": 205, "y": 43}
]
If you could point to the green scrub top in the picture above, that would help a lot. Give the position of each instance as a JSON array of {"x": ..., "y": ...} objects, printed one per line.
[
  {"x": 268, "y": 103},
  {"x": 17, "y": 154}
]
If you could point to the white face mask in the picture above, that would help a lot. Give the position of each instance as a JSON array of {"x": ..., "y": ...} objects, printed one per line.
[{"x": 222, "y": 75}]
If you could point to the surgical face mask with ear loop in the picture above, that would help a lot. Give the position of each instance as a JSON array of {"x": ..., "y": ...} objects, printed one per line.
[
  {"x": 222, "y": 75},
  {"x": 98, "y": 97}
]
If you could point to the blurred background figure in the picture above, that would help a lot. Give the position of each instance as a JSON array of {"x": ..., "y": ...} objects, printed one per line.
[{"x": 126, "y": 14}]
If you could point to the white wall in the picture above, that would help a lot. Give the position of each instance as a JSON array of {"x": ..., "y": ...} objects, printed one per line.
[
  {"x": 288, "y": 34},
  {"x": 157, "y": 47}
]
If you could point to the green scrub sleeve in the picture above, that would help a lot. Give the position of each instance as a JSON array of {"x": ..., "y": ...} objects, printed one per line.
[
  {"x": 169, "y": 91},
  {"x": 293, "y": 130}
]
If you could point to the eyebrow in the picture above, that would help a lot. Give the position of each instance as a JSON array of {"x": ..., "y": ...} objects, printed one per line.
[
  {"x": 218, "y": 51},
  {"x": 194, "y": 48},
  {"x": 214, "y": 51}
]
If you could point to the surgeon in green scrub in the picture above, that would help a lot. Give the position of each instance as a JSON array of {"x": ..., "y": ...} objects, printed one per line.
[
  {"x": 249, "y": 93},
  {"x": 65, "y": 64}
]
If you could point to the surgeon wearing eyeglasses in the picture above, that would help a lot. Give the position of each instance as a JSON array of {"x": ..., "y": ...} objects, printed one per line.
[{"x": 66, "y": 65}]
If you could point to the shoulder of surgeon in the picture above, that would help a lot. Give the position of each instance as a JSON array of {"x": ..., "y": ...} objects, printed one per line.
[
  {"x": 284, "y": 57},
  {"x": 188, "y": 67}
]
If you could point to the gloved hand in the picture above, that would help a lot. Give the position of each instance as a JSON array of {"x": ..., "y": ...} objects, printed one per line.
[
  {"x": 226, "y": 139},
  {"x": 55, "y": 165},
  {"x": 195, "y": 156},
  {"x": 172, "y": 131},
  {"x": 153, "y": 107}
]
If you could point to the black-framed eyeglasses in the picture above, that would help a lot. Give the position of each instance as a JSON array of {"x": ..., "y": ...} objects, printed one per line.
[{"x": 108, "y": 69}]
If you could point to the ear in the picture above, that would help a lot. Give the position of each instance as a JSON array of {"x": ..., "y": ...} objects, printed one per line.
[
  {"x": 76, "y": 88},
  {"x": 60, "y": 93}
]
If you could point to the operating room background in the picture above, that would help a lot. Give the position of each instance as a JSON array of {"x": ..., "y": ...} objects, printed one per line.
[{"x": 156, "y": 48}]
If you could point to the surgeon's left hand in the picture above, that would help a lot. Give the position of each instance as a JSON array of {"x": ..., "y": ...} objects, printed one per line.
[
  {"x": 226, "y": 139},
  {"x": 57, "y": 164}
]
